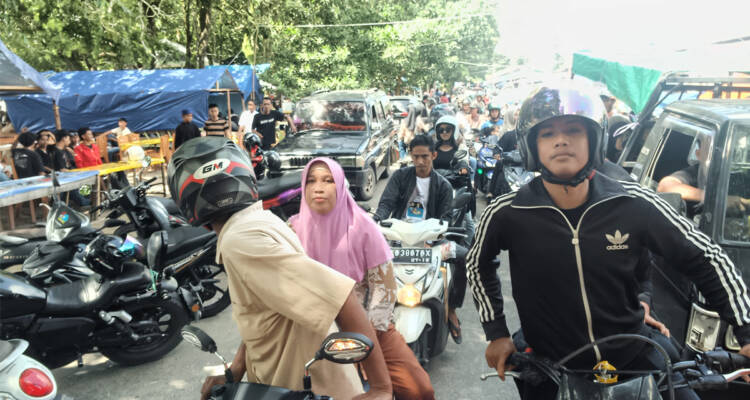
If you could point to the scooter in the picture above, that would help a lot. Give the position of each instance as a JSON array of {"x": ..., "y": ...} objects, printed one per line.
[
  {"x": 22, "y": 377},
  {"x": 423, "y": 281},
  {"x": 339, "y": 347},
  {"x": 120, "y": 311},
  {"x": 485, "y": 163},
  {"x": 515, "y": 175}
]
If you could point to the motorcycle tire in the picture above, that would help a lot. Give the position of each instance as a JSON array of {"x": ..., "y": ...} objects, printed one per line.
[
  {"x": 215, "y": 298},
  {"x": 170, "y": 316},
  {"x": 420, "y": 348}
]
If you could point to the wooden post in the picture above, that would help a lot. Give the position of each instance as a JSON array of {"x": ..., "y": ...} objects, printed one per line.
[{"x": 58, "y": 125}]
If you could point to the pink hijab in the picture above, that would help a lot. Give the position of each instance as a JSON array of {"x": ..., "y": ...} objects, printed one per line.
[{"x": 346, "y": 239}]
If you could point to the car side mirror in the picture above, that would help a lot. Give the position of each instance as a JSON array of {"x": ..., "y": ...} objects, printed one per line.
[
  {"x": 675, "y": 201},
  {"x": 345, "y": 348},
  {"x": 157, "y": 249}
]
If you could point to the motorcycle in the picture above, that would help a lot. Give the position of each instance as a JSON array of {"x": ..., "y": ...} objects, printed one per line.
[
  {"x": 121, "y": 311},
  {"x": 22, "y": 377},
  {"x": 339, "y": 347},
  {"x": 461, "y": 184},
  {"x": 423, "y": 280},
  {"x": 515, "y": 175},
  {"x": 485, "y": 163},
  {"x": 713, "y": 375}
]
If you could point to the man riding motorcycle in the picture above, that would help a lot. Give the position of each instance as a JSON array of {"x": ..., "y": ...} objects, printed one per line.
[
  {"x": 495, "y": 118},
  {"x": 419, "y": 193},
  {"x": 575, "y": 238},
  {"x": 283, "y": 302}
]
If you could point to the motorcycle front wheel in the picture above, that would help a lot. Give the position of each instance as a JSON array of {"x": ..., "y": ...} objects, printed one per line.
[
  {"x": 159, "y": 322},
  {"x": 215, "y": 293}
]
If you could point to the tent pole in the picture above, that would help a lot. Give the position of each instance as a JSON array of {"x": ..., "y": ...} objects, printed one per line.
[{"x": 58, "y": 124}]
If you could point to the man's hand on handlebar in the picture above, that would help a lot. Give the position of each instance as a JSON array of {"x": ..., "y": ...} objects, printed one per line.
[
  {"x": 745, "y": 351},
  {"x": 209, "y": 383},
  {"x": 497, "y": 354}
]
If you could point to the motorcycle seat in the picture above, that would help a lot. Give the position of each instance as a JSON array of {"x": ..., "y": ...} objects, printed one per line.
[
  {"x": 169, "y": 204},
  {"x": 86, "y": 295},
  {"x": 271, "y": 187},
  {"x": 185, "y": 240},
  {"x": 12, "y": 240}
]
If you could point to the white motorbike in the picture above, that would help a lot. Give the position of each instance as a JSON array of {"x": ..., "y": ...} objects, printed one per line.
[
  {"x": 22, "y": 377},
  {"x": 424, "y": 282}
]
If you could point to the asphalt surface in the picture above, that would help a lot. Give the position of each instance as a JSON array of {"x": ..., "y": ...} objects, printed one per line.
[{"x": 180, "y": 374}]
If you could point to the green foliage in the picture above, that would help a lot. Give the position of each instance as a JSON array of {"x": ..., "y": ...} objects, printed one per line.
[{"x": 121, "y": 34}]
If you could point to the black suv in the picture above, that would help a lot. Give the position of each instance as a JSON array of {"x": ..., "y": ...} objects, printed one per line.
[{"x": 353, "y": 127}]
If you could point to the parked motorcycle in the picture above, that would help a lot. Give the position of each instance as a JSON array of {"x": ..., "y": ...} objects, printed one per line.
[
  {"x": 423, "y": 281},
  {"x": 120, "y": 311},
  {"x": 22, "y": 377},
  {"x": 339, "y": 347}
]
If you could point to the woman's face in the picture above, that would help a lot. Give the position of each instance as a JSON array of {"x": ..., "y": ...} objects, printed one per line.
[
  {"x": 445, "y": 131},
  {"x": 320, "y": 189}
]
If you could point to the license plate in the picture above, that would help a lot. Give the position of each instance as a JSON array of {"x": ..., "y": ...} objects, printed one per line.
[{"x": 403, "y": 255}]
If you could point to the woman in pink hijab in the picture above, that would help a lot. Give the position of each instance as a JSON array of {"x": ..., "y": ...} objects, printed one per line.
[{"x": 335, "y": 231}]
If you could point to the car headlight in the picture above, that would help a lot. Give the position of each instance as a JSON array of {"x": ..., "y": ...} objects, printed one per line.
[
  {"x": 409, "y": 296},
  {"x": 351, "y": 161}
]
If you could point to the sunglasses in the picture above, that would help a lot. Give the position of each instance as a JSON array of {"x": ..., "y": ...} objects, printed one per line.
[{"x": 444, "y": 130}]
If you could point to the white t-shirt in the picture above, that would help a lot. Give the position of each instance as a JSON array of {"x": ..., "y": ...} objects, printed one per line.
[
  {"x": 246, "y": 120},
  {"x": 420, "y": 196},
  {"x": 121, "y": 132}
]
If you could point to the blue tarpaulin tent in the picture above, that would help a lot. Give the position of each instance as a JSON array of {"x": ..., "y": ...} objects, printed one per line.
[
  {"x": 17, "y": 76},
  {"x": 246, "y": 78},
  {"x": 148, "y": 99}
]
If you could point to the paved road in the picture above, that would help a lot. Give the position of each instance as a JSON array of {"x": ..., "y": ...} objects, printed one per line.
[{"x": 179, "y": 375}]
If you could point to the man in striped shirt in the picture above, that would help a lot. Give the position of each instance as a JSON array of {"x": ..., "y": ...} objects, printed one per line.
[{"x": 214, "y": 125}]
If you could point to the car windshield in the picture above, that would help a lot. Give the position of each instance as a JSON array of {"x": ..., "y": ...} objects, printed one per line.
[
  {"x": 400, "y": 106},
  {"x": 330, "y": 115}
]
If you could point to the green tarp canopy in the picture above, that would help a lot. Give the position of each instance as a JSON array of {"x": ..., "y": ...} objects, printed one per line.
[{"x": 632, "y": 77}]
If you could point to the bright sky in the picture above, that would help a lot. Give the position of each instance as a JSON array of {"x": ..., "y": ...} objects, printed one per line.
[{"x": 536, "y": 29}]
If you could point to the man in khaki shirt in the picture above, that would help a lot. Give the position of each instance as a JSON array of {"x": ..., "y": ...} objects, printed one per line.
[{"x": 284, "y": 303}]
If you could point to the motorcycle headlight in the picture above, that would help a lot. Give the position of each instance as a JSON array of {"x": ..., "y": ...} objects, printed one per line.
[{"x": 409, "y": 296}]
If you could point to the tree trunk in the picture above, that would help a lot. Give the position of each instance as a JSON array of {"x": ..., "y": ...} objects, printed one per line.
[
  {"x": 204, "y": 26},
  {"x": 188, "y": 37},
  {"x": 150, "y": 13}
]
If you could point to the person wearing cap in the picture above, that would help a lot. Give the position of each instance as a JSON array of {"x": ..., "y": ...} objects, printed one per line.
[
  {"x": 186, "y": 130},
  {"x": 27, "y": 161}
]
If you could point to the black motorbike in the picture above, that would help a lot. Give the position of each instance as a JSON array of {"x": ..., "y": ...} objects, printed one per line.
[
  {"x": 713, "y": 375},
  {"x": 121, "y": 310},
  {"x": 339, "y": 347}
]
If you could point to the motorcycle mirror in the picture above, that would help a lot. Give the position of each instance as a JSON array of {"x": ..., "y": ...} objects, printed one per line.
[
  {"x": 460, "y": 154},
  {"x": 198, "y": 338},
  {"x": 85, "y": 190},
  {"x": 345, "y": 348},
  {"x": 146, "y": 162},
  {"x": 156, "y": 249}
]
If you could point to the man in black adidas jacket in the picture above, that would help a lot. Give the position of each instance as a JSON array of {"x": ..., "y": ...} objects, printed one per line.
[{"x": 575, "y": 238}]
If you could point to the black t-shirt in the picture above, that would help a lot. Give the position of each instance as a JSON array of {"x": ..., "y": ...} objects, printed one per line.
[
  {"x": 509, "y": 141},
  {"x": 444, "y": 158},
  {"x": 60, "y": 159},
  {"x": 688, "y": 176},
  {"x": 45, "y": 156},
  {"x": 266, "y": 125},
  {"x": 184, "y": 132},
  {"x": 574, "y": 214},
  {"x": 28, "y": 163}
]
